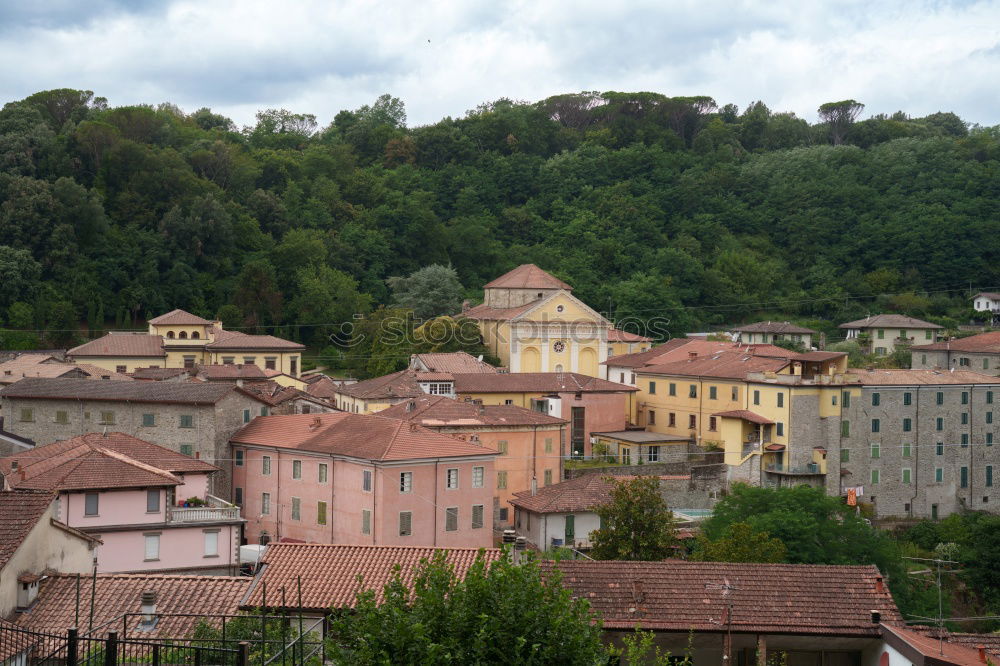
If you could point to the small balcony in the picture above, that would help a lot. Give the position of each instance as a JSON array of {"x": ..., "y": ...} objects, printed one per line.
[
  {"x": 214, "y": 510},
  {"x": 809, "y": 469}
]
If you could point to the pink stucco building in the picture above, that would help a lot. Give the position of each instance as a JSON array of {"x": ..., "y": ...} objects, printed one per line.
[
  {"x": 362, "y": 479},
  {"x": 131, "y": 494}
]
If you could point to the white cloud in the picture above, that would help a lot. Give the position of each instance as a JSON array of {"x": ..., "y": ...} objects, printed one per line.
[{"x": 444, "y": 57}]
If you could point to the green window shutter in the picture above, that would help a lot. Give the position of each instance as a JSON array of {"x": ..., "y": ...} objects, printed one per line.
[{"x": 570, "y": 528}]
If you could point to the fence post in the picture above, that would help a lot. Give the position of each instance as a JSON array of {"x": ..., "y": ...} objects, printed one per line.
[
  {"x": 243, "y": 653},
  {"x": 156, "y": 654},
  {"x": 111, "y": 649},
  {"x": 71, "y": 650}
]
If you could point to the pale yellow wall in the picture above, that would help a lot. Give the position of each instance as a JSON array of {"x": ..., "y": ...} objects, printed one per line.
[
  {"x": 519, "y": 399},
  {"x": 175, "y": 358},
  {"x": 45, "y": 546},
  {"x": 288, "y": 380},
  {"x": 620, "y": 348},
  {"x": 890, "y": 334},
  {"x": 702, "y": 406},
  {"x": 348, "y": 403},
  {"x": 531, "y": 359},
  {"x": 112, "y": 363},
  {"x": 283, "y": 360},
  {"x": 203, "y": 336}
]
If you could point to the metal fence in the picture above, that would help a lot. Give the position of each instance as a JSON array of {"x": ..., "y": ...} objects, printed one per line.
[{"x": 280, "y": 639}]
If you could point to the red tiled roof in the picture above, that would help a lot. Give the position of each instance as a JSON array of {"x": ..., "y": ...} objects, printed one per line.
[
  {"x": 773, "y": 327},
  {"x": 402, "y": 384},
  {"x": 329, "y": 572},
  {"x": 179, "y": 318},
  {"x": 454, "y": 362},
  {"x": 535, "y": 382},
  {"x": 439, "y": 410},
  {"x": 94, "y": 461},
  {"x": 117, "y": 594},
  {"x": 913, "y": 377},
  {"x": 132, "y": 345},
  {"x": 819, "y": 356},
  {"x": 97, "y": 372},
  {"x": 527, "y": 276},
  {"x": 728, "y": 365},
  {"x": 618, "y": 335},
  {"x": 987, "y": 343},
  {"x": 580, "y": 494},
  {"x": 322, "y": 387},
  {"x": 186, "y": 393},
  {"x": 487, "y": 312},
  {"x": 639, "y": 359},
  {"x": 676, "y": 595},
  {"x": 20, "y": 511},
  {"x": 922, "y": 644},
  {"x": 240, "y": 341},
  {"x": 364, "y": 436},
  {"x": 889, "y": 321},
  {"x": 746, "y": 415}
]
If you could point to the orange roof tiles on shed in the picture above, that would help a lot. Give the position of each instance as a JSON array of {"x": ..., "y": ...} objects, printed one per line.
[
  {"x": 675, "y": 595},
  {"x": 580, "y": 494},
  {"x": 20, "y": 511},
  {"x": 746, "y": 415},
  {"x": 439, "y": 410},
  {"x": 117, "y": 594},
  {"x": 179, "y": 318},
  {"x": 364, "y": 436},
  {"x": 125, "y": 345},
  {"x": 915, "y": 645},
  {"x": 329, "y": 572},
  {"x": 527, "y": 276}
]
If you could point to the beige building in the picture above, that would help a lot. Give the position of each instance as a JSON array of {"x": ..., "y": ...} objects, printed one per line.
[
  {"x": 34, "y": 541},
  {"x": 180, "y": 339},
  {"x": 532, "y": 322},
  {"x": 774, "y": 331},
  {"x": 882, "y": 334}
]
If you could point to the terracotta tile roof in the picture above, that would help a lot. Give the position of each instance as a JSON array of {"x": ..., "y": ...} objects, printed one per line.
[
  {"x": 579, "y": 494},
  {"x": 20, "y": 511},
  {"x": 159, "y": 374},
  {"x": 889, "y": 321},
  {"x": 491, "y": 313},
  {"x": 618, "y": 335},
  {"x": 912, "y": 643},
  {"x": 402, "y": 384},
  {"x": 728, "y": 365},
  {"x": 187, "y": 393},
  {"x": 990, "y": 641},
  {"x": 230, "y": 372},
  {"x": 639, "y": 359},
  {"x": 914, "y": 377},
  {"x": 819, "y": 356},
  {"x": 179, "y": 318},
  {"x": 992, "y": 295},
  {"x": 439, "y": 410},
  {"x": 117, "y": 594},
  {"x": 322, "y": 387},
  {"x": 773, "y": 327},
  {"x": 94, "y": 461},
  {"x": 986, "y": 343},
  {"x": 329, "y": 572},
  {"x": 527, "y": 276},
  {"x": 97, "y": 372},
  {"x": 453, "y": 362},
  {"x": 130, "y": 345},
  {"x": 746, "y": 415},
  {"x": 240, "y": 341},
  {"x": 767, "y": 598},
  {"x": 364, "y": 436},
  {"x": 535, "y": 382}
]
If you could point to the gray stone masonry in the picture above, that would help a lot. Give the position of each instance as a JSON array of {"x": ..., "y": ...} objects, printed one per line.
[
  {"x": 208, "y": 436},
  {"x": 877, "y": 459},
  {"x": 984, "y": 362}
]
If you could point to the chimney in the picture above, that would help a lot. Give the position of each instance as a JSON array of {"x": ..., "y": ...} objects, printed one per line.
[
  {"x": 465, "y": 305},
  {"x": 520, "y": 545},
  {"x": 197, "y": 455},
  {"x": 316, "y": 422},
  {"x": 879, "y": 585},
  {"x": 982, "y": 653},
  {"x": 876, "y": 617},
  {"x": 509, "y": 536},
  {"x": 692, "y": 354},
  {"x": 148, "y": 600}
]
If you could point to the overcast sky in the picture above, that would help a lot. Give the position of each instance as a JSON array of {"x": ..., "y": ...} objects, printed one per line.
[{"x": 444, "y": 57}]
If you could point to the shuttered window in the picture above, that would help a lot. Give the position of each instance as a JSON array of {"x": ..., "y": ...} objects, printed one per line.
[
  {"x": 321, "y": 513},
  {"x": 451, "y": 519},
  {"x": 366, "y": 521},
  {"x": 477, "y": 514},
  {"x": 405, "y": 523}
]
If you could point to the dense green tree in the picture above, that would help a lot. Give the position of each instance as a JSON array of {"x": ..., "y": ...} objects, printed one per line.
[
  {"x": 636, "y": 523},
  {"x": 740, "y": 543},
  {"x": 431, "y": 291},
  {"x": 497, "y": 613},
  {"x": 19, "y": 274}
]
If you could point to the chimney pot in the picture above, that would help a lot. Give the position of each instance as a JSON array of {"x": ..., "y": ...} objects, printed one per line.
[
  {"x": 509, "y": 536},
  {"x": 521, "y": 543},
  {"x": 879, "y": 585},
  {"x": 876, "y": 617}
]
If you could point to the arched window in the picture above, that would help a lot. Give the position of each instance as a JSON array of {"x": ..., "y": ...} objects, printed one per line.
[
  {"x": 183, "y": 335},
  {"x": 170, "y": 335},
  {"x": 195, "y": 335}
]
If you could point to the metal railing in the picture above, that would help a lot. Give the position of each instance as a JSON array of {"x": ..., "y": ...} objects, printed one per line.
[{"x": 810, "y": 468}]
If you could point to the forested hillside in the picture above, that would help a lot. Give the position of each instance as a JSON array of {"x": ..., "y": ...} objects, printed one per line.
[{"x": 648, "y": 205}]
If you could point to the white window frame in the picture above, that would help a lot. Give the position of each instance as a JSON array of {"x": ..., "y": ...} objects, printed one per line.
[
  {"x": 451, "y": 478},
  {"x": 406, "y": 482},
  {"x": 265, "y": 465},
  {"x": 211, "y": 543},
  {"x": 265, "y": 504},
  {"x": 297, "y": 470},
  {"x": 481, "y": 511},
  {"x": 366, "y": 521},
  {"x": 323, "y": 473},
  {"x": 296, "y": 508},
  {"x": 366, "y": 481},
  {"x": 478, "y": 476},
  {"x": 151, "y": 547}
]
